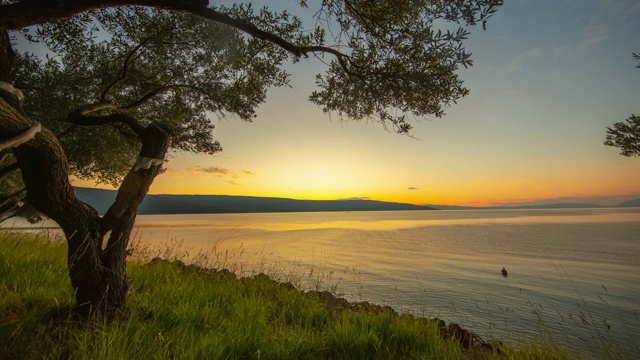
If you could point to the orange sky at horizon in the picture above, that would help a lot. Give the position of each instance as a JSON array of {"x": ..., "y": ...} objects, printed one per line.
[{"x": 473, "y": 192}]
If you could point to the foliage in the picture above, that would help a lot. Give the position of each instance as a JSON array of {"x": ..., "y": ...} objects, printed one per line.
[
  {"x": 398, "y": 62},
  {"x": 156, "y": 66},
  {"x": 626, "y": 136}
]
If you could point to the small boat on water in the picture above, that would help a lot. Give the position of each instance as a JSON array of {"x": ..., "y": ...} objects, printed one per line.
[{"x": 504, "y": 272}]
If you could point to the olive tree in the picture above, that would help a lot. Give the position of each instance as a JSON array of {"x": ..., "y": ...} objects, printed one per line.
[
  {"x": 626, "y": 135},
  {"x": 129, "y": 81}
]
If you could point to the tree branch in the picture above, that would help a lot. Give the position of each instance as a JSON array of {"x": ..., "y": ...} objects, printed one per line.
[
  {"x": 32, "y": 12},
  {"x": 45, "y": 170},
  {"x": 159, "y": 91},
  {"x": 134, "y": 187},
  {"x": 123, "y": 73},
  {"x": 79, "y": 117}
]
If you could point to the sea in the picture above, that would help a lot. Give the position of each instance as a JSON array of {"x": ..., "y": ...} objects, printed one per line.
[{"x": 573, "y": 275}]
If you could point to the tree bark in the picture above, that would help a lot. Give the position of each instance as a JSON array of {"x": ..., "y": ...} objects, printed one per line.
[
  {"x": 7, "y": 58},
  {"x": 121, "y": 216},
  {"x": 97, "y": 272},
  {"x": 44, "y": 169}
]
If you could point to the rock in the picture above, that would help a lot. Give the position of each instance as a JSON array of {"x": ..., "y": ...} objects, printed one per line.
[{"x": 467, "y": 338}]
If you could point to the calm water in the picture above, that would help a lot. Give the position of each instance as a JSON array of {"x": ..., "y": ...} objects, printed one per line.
[{"x": 574, "y": 275}]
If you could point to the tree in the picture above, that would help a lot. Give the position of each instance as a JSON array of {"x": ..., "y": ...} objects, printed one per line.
[
  {"x": 178, "y": 61},
  {"x": 626, "y": 135}
]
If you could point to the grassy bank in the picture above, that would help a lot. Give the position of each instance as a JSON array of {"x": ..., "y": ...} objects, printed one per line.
[{"x": 183, "y": 312}]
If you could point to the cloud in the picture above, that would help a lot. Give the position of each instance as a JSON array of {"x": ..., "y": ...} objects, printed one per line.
[
  {"x": 212, "y": 170},
  {"x": 617, "y": 9},
  {"x": 209, "y": 170},
  {"x": 592, "y": 36},
  {"x": 356, "y": 198},
  {"x": 584, "y": 39},
  {"x": 412, "y": 188},
  {"x": 515, "y": 64}
]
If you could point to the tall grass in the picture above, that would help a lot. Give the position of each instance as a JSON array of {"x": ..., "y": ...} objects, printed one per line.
[{"x": 187, "y": 312}]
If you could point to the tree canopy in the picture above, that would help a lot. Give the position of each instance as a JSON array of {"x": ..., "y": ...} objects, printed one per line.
[
  {"x": 626, "y": 135},
  {"x": 128, "y": 67}
]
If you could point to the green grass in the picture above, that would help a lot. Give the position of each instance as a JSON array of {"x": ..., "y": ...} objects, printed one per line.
[{"x": 185, "y": 312}]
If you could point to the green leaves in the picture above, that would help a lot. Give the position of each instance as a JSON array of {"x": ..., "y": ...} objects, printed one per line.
[
  {"x": 626, "y": 136},
  {"x": 172, "y": 68},
  {"x": 398, "y": 63}
]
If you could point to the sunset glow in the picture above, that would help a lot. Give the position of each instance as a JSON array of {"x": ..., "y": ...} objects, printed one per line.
[{"x": 548, "y": 78}]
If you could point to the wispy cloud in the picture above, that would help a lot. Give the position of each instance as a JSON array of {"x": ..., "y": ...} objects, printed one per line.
[
  {"x": 412, "y": 188},
  {"x": 515, "y": 64},
  {"x": 209, "y": 170},
  {"x": 592, "y": 36},
  {"x": 617, "y": 9},
  {"x": 216, "y": 171}
]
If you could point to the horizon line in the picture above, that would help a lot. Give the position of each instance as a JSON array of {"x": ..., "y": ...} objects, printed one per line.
[{"x": 598, "y": 200}]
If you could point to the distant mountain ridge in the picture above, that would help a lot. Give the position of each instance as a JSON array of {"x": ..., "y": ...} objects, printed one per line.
[
  {"x": 630, "y": 203},
  {"x": 102, "y": 199}
]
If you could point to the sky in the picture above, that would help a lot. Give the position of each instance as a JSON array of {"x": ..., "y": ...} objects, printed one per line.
[{"x": 549, "y": 76}]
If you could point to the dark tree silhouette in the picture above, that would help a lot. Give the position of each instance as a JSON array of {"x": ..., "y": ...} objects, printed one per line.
[{"x": 626, "y": 135}]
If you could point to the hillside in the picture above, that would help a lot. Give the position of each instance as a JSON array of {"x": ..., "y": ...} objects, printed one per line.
[
  {"x": 210, "y": 204},
  {"x": 217, "y": 204},
  {"x": 631, "y": 203}
]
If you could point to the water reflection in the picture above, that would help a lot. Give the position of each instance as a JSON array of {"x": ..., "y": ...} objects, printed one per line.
[
  {"x": 385, "y": 220},
  {"x": 562, "y": 264}
]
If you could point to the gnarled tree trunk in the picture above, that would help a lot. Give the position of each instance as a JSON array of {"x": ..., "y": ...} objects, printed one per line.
[{"x": 96, "y": 268}]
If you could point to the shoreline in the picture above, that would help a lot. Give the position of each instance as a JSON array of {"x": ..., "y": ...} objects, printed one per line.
[{"x": 467, "y": 338}]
